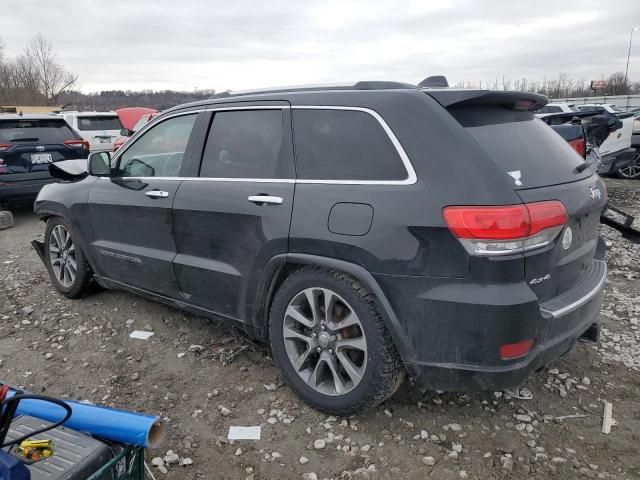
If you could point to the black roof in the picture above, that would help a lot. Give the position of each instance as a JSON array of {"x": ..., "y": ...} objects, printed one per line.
[{"x": 351, "y": 94}]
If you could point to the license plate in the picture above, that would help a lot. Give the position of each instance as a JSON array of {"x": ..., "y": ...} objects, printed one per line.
[
  {"x": 104, "y": 139},
  {"x": 37, "y": 158}
]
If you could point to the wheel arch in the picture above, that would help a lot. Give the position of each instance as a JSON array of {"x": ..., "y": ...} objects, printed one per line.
[{"x": 281, "y": 266}]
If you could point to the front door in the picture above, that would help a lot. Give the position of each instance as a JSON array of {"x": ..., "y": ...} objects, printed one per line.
[
  {"x": 232, "y": 219},
  {"x": 130, "y": 212}
]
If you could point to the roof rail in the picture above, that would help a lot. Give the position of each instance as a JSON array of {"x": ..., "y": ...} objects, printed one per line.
[{"x": 362, "y": 85}]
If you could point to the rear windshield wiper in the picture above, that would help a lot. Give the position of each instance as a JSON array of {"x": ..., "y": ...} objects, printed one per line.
[
  {"x": 582, "y": 167},
  {"x": 30, "y": 139}
]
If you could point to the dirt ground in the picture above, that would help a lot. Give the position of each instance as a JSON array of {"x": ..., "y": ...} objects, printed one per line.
[{"x": 81, "y": 349}]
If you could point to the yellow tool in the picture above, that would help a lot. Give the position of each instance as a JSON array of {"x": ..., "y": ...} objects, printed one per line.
[{"x": 35, "y": 450}]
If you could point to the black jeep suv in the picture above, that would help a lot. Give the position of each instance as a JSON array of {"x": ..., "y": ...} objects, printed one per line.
[
  {"x": 361, "y": 230},
  {"x": 28, "y": 145}
]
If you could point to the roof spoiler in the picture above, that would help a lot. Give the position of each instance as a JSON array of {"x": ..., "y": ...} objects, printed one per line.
[{"x": 467, "y": 98}]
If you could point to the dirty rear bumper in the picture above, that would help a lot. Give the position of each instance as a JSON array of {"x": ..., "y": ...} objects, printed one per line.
[
  {"x": 460, "y": 377},
  {"x": 461, "y": 352}
]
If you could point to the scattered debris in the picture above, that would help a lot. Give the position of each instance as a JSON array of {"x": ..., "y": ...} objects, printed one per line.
[
  {"x": 607, "y": 419},
  {"x": 244, "y": 433},
  {"x": 141, "y": 334}
]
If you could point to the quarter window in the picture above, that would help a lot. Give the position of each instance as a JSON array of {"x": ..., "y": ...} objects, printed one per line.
[
  {"x": 344, "y": 145},
  {"x": 160, "y": 151},
  {"x": 244, "y": 144}
]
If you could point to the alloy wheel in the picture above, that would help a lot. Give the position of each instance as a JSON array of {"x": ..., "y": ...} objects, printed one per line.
[
  {"x": 325, "y": 341},
  {"x": 633, "y": 170},
  {"x": 62, "y": 256}
]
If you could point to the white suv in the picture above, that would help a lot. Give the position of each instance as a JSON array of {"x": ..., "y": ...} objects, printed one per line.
[{"x": 100, "y": 129}]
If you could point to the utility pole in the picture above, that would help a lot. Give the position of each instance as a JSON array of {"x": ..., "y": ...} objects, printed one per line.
[{"x": 626, "y": 72}]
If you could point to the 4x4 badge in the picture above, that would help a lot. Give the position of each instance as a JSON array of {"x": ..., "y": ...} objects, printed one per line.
[{"x": 595, "y": 193}]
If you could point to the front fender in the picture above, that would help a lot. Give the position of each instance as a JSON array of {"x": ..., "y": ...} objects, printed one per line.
[{"x": 69, "y": 200}]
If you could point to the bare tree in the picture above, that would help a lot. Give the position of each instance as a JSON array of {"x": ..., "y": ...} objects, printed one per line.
[
  {"x": 52, "y": 76},
  {"x": 616, "y": 84}
]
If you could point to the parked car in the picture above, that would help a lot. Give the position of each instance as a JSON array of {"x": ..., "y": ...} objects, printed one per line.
[
  {"x": 447, "y": 232},
  {"x": 129, "y": 116},
  {"x": 555, "y": 107},
  {"x": 100, "y": 129},
  {"x": 28, "y": 145},
  {"x": 126, "y": 133},
  {"x": 618, "y": 147},
  {"x": 587, "y": 131}
]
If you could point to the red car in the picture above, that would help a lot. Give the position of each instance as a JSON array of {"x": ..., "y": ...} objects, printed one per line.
[{"x": 143, "y": 117}]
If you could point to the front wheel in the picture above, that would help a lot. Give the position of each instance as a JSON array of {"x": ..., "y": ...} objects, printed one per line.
[
  {"x": 69, "y": 270},
  {"x": 631, "y": 171},
  {"x": 331, "y": 342}
]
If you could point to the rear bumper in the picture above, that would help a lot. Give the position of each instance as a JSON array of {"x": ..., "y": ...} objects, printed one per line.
[
  {"x": 613, "y": 162},
  {"x": 25, "y": 190},
  {"x": 461, "y": 353}
]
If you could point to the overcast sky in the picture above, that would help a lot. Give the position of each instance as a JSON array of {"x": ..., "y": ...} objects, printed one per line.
[{"x": 187, "y": 44}]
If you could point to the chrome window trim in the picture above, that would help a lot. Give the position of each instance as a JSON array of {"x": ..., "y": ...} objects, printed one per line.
[
  {"x": 411, "y": 174},
  {"x": 408, "y": 166}
]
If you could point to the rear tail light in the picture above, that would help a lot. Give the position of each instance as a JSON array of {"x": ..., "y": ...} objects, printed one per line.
[
  {"x": 77, "y": 143},
  {"x": 504, "y": 230},
  {"x": 579, "y": 146},
  {"x": 4, "y": 146},
  {"x": 510, "y": 351}
]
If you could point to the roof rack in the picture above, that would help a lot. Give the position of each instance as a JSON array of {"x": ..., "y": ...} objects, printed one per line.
[{"x": 362, "y": 85}]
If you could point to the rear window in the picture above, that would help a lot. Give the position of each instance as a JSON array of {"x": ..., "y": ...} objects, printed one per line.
[
  {"x": 35, "y": 131},
  {"x": 522, "y": 146},
  {"x": 344, "y": 145},
  {"x": 99, "y": 123},
  {"x": 549, "y": 109}
]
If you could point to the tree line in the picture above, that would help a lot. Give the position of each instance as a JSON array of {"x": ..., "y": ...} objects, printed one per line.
[
  {"x": 36, "y": 77},
  {"x": 561, "y": 87}
]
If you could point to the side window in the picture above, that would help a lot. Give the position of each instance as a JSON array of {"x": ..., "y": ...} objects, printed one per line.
[
  {"x": 243, "y": 144},
  {"x": 344, "y": 145},
  {"x": 160, "y": 151}
]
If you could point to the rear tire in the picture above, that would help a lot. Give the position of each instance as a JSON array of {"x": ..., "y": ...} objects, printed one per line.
[
  {"x": 632, "y": 172},
  {"x": 68, "y": 268},
  {"x": 338, "y": 363}
]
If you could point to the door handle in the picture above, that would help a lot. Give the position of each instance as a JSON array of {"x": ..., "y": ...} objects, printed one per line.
[
  {"x": 265, "y": 199},
  {"x": 156, "y": 194}
]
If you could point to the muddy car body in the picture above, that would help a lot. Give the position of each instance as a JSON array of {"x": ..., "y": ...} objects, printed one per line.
[{"x": 361, "y": 230}]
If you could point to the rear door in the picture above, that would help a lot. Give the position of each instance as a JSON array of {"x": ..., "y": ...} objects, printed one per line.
[
  {"x": 542, "y": 166},
  {"x": 232, "y": 219},
  {"x": 130, "y": 212},
  {"x": 28, "y": 146}
]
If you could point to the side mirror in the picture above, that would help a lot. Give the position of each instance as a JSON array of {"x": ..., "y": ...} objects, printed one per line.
[
  {"x": 126, "y": 132},
  {"x": 100, "y": 164}
]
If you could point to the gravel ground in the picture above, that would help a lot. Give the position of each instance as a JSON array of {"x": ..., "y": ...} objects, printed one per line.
[{"x": 202, "y": 378}]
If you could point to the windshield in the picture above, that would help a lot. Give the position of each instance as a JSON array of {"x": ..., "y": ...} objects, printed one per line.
[
  {"x": 111, "y": 122},
  {"x": 35, "y": 131}
]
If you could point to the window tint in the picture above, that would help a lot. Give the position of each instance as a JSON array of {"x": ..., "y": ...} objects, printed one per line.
[
  {"x": 243, "y": 144},
  {"x": 99, "y": 123},
  {"x": 159, "y": 151},
  {"x": 36, "y": 131},
  {"x": 517, "y": 141},
  {"x": 344, "y": 145}
]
